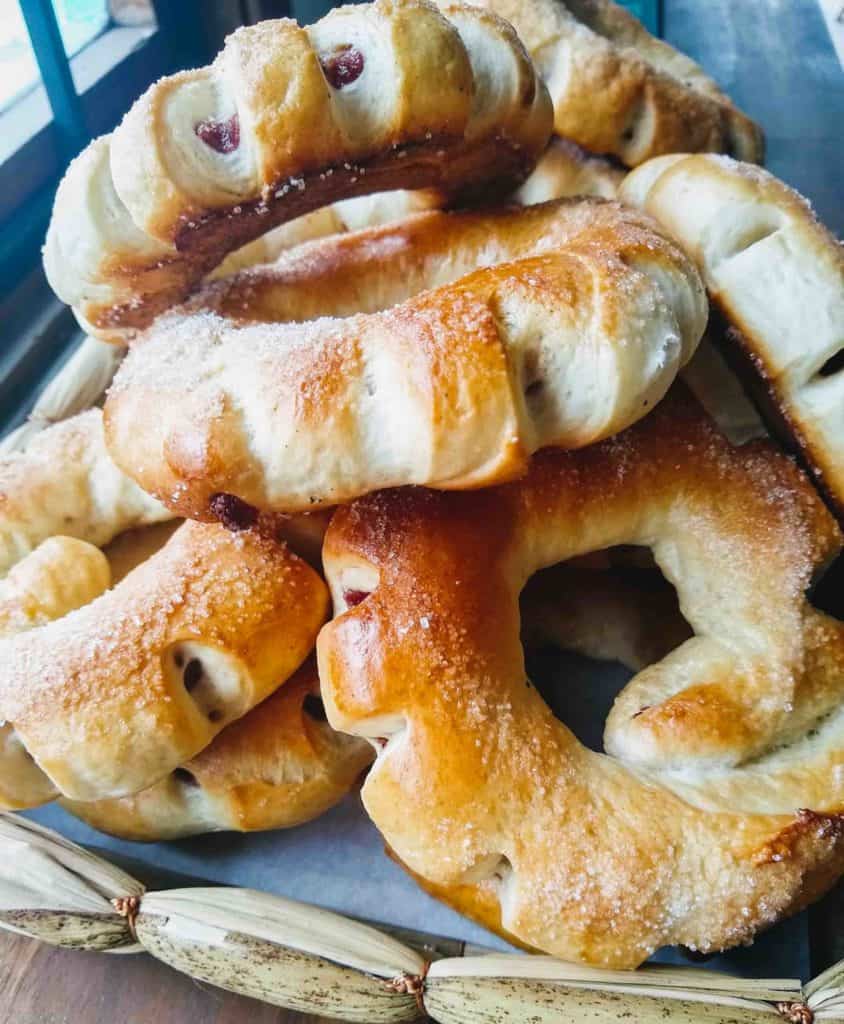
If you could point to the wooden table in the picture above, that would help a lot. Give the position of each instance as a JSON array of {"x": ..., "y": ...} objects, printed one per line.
[
  {"x": 43, "y": 985},
  {"x": 777, "y": 62}
]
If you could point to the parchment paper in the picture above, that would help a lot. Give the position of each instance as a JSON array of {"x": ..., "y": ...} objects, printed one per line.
[{"x": 339, "y": 862}]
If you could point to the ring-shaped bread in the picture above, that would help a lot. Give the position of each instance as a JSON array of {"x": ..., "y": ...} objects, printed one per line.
[
  {"x": 563, "y": 170},
  {"x": 721, "y": 807},
  {"x": 557, "y": 324},
  {"x": 617, "y": 89},
  {"x": 393, "y": 94},
  {"x": 105, "y": 691},
  {"x": 777, "y": 276},
  {"x": 66, "y": 483},
  {"x": 566, "y": 170},
  {"x": 278, "y": 766}
]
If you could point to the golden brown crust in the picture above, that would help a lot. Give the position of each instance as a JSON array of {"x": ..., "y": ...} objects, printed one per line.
[
  {"x": 113, "y": 696},
  {"x": 616, "y": 89},
  {"x": 777, "y": 276},
  {"x": 61, "y": 574},
  {"x": 690, "y": 833},
  {"x": 555, "y": 324},
  {"x": 565, "y": 169},
  {"x": 208, "y": 160},
  {"x": 64, "y": 482},
  {"x": 278, "y": 766}
]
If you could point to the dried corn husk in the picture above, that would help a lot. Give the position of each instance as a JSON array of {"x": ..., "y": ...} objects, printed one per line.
[
  {"x": 307, "y": 959},
  {"x": 500, "y": 989},
  {"x": 55, "y": 891},
  {"x": 825, "y": 994},
  {"x": 282, "y": 952}
]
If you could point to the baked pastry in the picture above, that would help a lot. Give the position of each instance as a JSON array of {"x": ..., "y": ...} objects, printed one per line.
[
  {"x": 393, "y": 94},
  {"x": 104, "y": 691},
  {"x": 66, "y": 483},
  {"x": 278, "y": 766},
  {"x": 616, "y": 89},
  {"x": 570, "y": 323},
  {"x": 274, "y": 767},
  {"x": 567, "y": 170},
  {"x": 334, "y": 219},
  {"x": 722, "y": 807},
  {"x": 777, "y": 275},
  {"x": 113, "y": 696},
  {"x": 61, "y": 574},
  {"x": 563, "y": 170}
]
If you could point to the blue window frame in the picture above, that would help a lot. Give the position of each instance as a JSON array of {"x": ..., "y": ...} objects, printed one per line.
[
  {"x": 649, "y": 12},
  {"x": 90, "y": 72}
]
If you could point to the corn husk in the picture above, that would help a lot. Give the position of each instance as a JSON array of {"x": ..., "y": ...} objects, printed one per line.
[
  {"x": 504, "y": 988},
  {"x": 304, "y": 958},
  {"x": 825, "y": 994},
  {"x": 59, "y": 893},
  {"x": 281, "y": 952}
]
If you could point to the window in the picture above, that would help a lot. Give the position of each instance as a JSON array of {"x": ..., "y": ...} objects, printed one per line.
[
  {"x": 69, "y": 69},
  {"x": 18, "y": 70},
  {"x": 79, "y": 21},
  {"x": 647, "y": 11}
]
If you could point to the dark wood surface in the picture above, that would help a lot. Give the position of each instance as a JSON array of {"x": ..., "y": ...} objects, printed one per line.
[
  {"x": 777, "y": 62},
  {"x": 43, "y": 985}
]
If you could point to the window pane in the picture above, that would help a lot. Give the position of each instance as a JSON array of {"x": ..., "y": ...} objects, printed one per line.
[
  {"x": 80, "y": 21},
  {"x": 647, "y": 11},
  {"x": 18, "y": 70}
]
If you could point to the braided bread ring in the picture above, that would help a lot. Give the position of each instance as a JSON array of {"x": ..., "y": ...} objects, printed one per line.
[
  {"x": 578, "y": 332},
  {"x": 616, "y": 89},
  {"x": 494, "y": 804},
  {"x": 778, "y": 277},
  {"x": 277, "y": 767},
  {"x": 390, "y": 94}
]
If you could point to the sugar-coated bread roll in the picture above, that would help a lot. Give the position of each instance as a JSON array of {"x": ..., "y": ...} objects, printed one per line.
[
  {"x": 392, "y": 94},
  {"x": 442, "y": 350}
]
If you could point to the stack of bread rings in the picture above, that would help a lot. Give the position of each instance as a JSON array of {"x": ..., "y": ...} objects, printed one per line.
[{"x": 397, "y": 348}]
